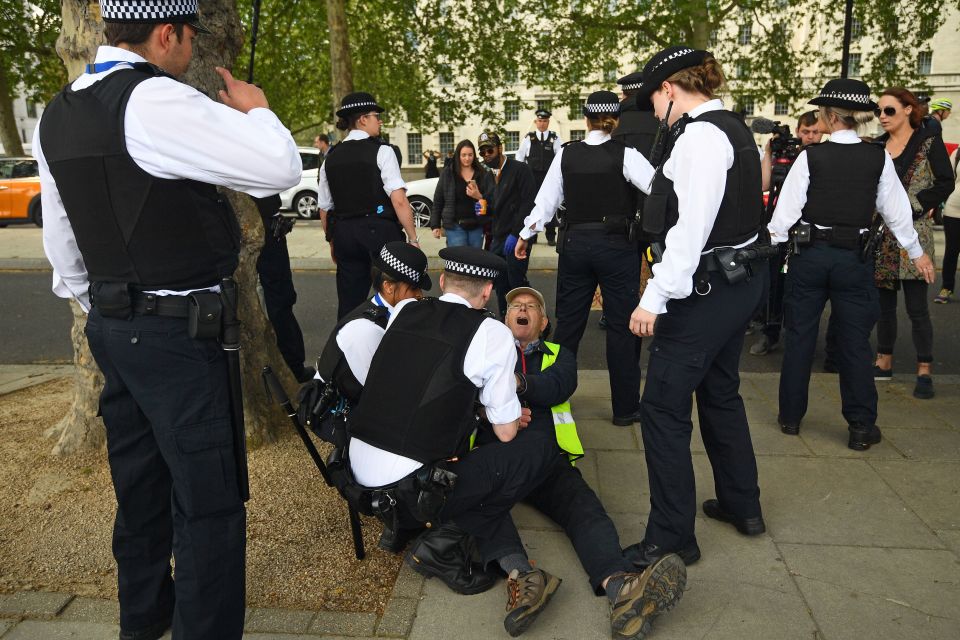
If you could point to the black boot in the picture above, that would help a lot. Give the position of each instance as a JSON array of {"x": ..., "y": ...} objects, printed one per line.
[{"x": 446, "y": 552}]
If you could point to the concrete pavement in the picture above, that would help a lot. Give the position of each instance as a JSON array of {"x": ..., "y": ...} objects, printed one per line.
[{"x": 859, "y": 545}]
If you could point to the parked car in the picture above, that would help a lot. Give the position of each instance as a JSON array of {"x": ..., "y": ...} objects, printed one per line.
[
  {"x": 302, "y": 198},
  {"x": 19, "y": 191}
]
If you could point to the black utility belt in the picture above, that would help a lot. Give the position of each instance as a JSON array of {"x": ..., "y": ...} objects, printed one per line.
[
  {"x": 203, "y": 310},
  {"x": 736, "y": 265},
  {"x": 596, "y": 227},
  {"x": 851, "y": 238}
]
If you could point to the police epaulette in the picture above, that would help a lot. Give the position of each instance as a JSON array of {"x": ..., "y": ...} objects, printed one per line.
[{"x": 569, "y": 142}]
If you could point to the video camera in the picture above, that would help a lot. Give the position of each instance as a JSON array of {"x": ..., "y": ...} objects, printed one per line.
[{"x": 784, "y": 146}]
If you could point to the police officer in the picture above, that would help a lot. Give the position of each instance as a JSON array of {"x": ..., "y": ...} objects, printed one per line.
[
  {"x": 453, "y": 353},
  {"x": 637, "y": 128},
  {"x": 547, "y": 377},
  {"x": 833, "y": 190},
  {"x": 703, "y": 207},
  {"x": 129, "y": 158},
  {"x": 362, "y": 198},
  {"x": 538, "y": 149},
  {"x": 591, "y": 176}
]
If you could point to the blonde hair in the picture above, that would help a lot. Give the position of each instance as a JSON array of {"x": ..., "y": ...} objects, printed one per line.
[
  {"x": 705, "y": 78},
  {"x": 606, "y": 123},
  {"x": 852, "y": 119}
]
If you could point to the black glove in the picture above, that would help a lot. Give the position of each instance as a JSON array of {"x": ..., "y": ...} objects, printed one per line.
[
  {"x": 281, "y": 225},
  {"x": 307, "y": 398}
]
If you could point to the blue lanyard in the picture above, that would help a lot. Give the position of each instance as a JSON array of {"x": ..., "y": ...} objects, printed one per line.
[
  {"x": 380, "y": 303},
  {"x": 100, "y": 67}
]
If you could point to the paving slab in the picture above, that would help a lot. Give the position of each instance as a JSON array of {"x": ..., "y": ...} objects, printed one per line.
[
  {"x": 278, "y": 621},
  {"x": 5, "y": 625},
  {"x": 33, "y": 603},
  {"x": 342, "y": 623},
  {"x": 829, "y": 440},
  {"x": 398, "y": 617},
  {"x": 623, "y": 480},
  {"x": 62, "y": 630},
  {"x": 951, "y": 538},
  {"x": 925, "y": 444},
  {"x": 931, "y": 489},
  {"x": 603, "y": 434},
  {"x": 838, "y": 501},
  {"x": 92, "y": 610},
  {"x": 890, "y": 593}
]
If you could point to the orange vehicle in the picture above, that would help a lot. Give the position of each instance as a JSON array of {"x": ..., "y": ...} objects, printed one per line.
[{"x": 19, "y": 191}]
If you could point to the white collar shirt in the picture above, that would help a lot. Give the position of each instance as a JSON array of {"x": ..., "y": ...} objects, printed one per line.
[
  {"x": 489, "y": 364},
  {"x": 892, "y": 200},
  {"x": 636, "y": 169},
  {"x": 172, "y": 132},
  {"x": 386, "y": 162}
]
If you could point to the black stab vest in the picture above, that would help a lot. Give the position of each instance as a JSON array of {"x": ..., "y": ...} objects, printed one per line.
[
  {"x": 541, "y": 151},
  {"x": 130, "y": 226},
  {"x": 417, "y": 402},
  {"x": 332, "y": 364},
  {"x": 355, "y": 182},
  {"x": 739, "y": 216},
  {"x": 844, "y": 179},
  {"x": 594, "y": 188}
]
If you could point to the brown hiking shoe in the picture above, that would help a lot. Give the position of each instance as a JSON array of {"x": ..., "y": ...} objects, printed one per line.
[
  {"x": 527, "y": 595},
  {"x": 646, "y": 595}
]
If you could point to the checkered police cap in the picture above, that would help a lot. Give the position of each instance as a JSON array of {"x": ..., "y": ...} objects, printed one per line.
[
  {"x": 470, "y": 270},
  {"x": 845, "y": 93},
  {"x": 404, "y": 262},
  {"x": 600, "y": 103},
  {"x": 147, "y": 10},
  {"x": 397, "y": 265},
  {"x": 473, "y": 262}
]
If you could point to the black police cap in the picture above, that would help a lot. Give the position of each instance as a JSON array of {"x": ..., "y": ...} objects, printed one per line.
[
  {"x": 663, "y": 65},
  {"x": 474, "y": 262},
  {"x": 404, "y": 262}
]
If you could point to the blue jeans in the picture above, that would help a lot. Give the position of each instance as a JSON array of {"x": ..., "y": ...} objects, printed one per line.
[{"x": 460, "y": 237}]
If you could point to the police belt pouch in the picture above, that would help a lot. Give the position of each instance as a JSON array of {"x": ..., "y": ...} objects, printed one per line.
[
  {"x": 112, "y": 299},
  {"x": 204, "y": 316},
  {"x": 731, "y": 267},
  {"x": 845, "y": 238}
]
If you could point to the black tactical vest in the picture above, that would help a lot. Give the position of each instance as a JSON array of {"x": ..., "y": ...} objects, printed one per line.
[
  {"x": 541, "y": 151},
  {"x": 739, "y": 216},
  {"x": 417, "y": 403},
  {"x": 355, "y": 182},
  {"x": 131, "y": 226},
  {"x": 332, "y": 364},
  {"x": 594, "y": 188},
  {"x": 843, "y": 183}
]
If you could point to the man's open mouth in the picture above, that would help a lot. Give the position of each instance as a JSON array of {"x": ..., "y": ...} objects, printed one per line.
[{"x": 523, "y": 321}]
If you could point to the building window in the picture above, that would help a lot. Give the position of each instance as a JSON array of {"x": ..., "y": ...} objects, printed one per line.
[
  {"x": 446, "y": 142},
  {"x": 31, "y": 109},
  {"x": 511, "y": 76},
  {"x": 745, "y": 106},
  {"x": 741, "y": 69},
  {"x": 924, "y": 61},
  {"x": 714, "y": 38},
  {"x": 414, "y": 147},
  {"x": 856, "y": 29},
  {"x": 782, "y": 4},
  {"x": 853, "y": 64},
  {"x": 445, "y": 76},
  {"x": 890, "y": 65},
  {"x": 576, "y": 109},
  {"x": 781, "y": 107},
  {"x": 545, "y": 105},
  {"x": 577, "y": 134},
  {"x": 745, "y": 34},
  {"x": 511, "y": 110},
  {"x": 446, "y": 112},
  {"x": 511, "y": 141},
  {"x": 610, "y": 74}
]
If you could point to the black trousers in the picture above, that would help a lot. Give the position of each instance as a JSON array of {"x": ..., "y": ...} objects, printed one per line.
[
  {"x": 696, "y": 349},
  {"x": 166, "y": 407},
  {"x": 915, "y": 298},
  {"x": 355, "y": 240},
  {"x": 951, "y": 233},
  {"x": 820, "y": 273},
  {"x": 515, "y": 275},
  {"x": 273, "y": 267},
  {"x": 589, "y": 258},
  {"x": 491, "y": 479}
]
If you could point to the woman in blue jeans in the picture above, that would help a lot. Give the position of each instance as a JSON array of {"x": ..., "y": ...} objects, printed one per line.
[{"x": 459, "y": 195}]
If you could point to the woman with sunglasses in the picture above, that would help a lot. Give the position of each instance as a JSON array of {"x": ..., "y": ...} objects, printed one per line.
[
  {"x": 920, "y": 159},
  {"x": 833, "y": 190},
  {"x": 362, "y": 198},
  {"x": 458, "y": 200}
]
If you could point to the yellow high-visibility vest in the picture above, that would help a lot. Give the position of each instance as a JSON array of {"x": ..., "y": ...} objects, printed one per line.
[{"x": 563, "y": 423}]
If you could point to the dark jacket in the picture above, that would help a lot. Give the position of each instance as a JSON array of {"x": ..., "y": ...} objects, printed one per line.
[
  {"x": 444, "y": 198},
  {"x": 636, "y": 128},
  {"x": 547, "y": 388},
  {"x": 513, "y": 198}
]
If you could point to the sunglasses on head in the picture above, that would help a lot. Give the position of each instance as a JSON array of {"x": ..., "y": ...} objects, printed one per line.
[{"x": 887, "y": 111}]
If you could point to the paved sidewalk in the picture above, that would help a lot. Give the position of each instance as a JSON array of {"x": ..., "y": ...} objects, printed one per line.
[{"x": 859, "y": 545}]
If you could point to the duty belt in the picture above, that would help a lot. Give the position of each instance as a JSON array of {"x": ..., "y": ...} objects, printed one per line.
[{"x": 150, "y": 304}]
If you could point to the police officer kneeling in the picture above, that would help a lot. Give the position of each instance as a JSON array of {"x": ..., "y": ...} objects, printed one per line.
[
  {"x": 411, "y": 435},
  {"x": 835, "y": 188}
]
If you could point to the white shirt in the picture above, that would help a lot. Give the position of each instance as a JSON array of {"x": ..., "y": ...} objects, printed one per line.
[
  {"x": 489, "y": 364},
  {"x": 636, "y": 169},
  {"x": 698, "y": 166},
  {"x": 386, "y": 161},
  {"x": 359, "y": 339},
  {"x": 524, "y": 149},
  {"x": 173, "y": 132},
  {"x": 892, "y": 200}
]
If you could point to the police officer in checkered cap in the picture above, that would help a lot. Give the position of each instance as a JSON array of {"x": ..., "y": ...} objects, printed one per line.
[
  {"x": 130, "y": 159},
  {"x": 597, "y": 179}
]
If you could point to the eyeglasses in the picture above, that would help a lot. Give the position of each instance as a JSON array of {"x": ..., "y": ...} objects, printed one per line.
[
  {"x": 373, "y": 115},
  {"x": 487, "y": 151},
  {"x": 523, "y": 306},
  {"x": 887, "y": 111}
]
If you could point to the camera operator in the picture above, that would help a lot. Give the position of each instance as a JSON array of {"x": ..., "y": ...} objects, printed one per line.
[{"x": 779, "y": 155}]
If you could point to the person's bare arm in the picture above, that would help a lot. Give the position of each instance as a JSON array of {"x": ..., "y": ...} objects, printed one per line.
[
  {"x": 404, "y": 213},
  {"x": 506, "y": 432}
]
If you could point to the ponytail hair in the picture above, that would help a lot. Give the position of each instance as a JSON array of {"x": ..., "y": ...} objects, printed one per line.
[
  {"x": 706, "y": 78},
  {"x": 850, "y": 118},
  {"x": 605, "y": 122}
]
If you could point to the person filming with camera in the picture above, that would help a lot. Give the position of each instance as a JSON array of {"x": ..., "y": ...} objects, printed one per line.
[{"x": 833, "y": 191}]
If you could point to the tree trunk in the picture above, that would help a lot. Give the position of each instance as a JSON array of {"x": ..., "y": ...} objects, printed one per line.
[
  {"x": 9, "y": 133},
  {"x": 341, "y": 64},
  {"x": 80, "y": 429}
]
